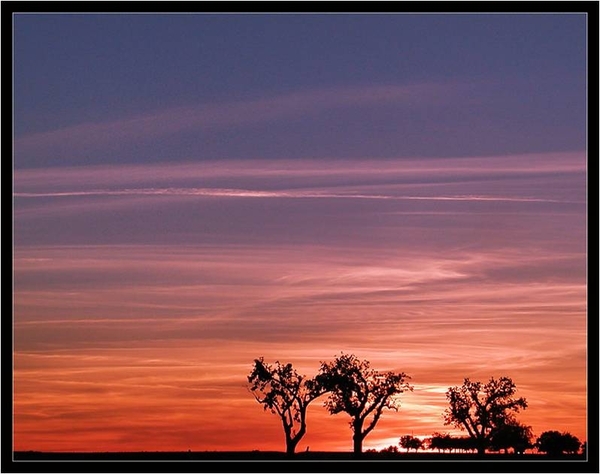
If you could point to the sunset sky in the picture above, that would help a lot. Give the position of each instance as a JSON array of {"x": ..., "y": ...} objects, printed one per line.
[{"x": 194, "y": 191}]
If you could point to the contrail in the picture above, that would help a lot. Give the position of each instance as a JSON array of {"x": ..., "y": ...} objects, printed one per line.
[{"x": 247, "y": 193}]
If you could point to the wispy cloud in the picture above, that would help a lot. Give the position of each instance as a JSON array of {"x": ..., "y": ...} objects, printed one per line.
[
  {"x": 308, "y": 169},
  {"x": 209, "y": 116},
  {"x": 528, "y": 179},
  {"x": 238, "y": 293}
]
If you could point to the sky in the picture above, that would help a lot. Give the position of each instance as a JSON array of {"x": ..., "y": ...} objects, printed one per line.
[{"x": 195, "y": 191}]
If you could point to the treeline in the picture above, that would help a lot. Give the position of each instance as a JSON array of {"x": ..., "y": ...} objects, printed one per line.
[
  {"x": 486, "y": 411},
  {"x": 440, "y": 442},
  {"x": 507, "y": 439}
]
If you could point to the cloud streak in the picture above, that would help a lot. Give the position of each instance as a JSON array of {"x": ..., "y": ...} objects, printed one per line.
[
  {"x": 309, "y": 169},
  {"x": 210, "y": 116},
  {"x": 535, "y": 180}
]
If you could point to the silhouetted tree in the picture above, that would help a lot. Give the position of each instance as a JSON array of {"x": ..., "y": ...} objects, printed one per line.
[
  {"x": 555, "y": 443},
  {"x": 512, "y": 435},
  {"x": 361, "y": 392},
  {"x": 463, "y": 443},
  {"x": 446, "y": 442},
  {"x": 434, "y": 442},
  {"x": 482, "y": 409},
  {"x": 439, "y": 441},
  {"x": 389, "y": 449},
  {"x": 409, "y": 442},
  {"x": 284, "y": 392}
]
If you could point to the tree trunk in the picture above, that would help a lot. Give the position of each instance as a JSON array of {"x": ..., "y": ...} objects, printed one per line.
[
  {"x": 357, "y": 441},
  {"x": 290, "y": 441},
  {"x": 358, "y": 437},
  {"x": 480, "y": 448},
  {"x": 290, "y": 448}
]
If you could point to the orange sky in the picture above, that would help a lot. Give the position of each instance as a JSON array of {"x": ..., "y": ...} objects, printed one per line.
[{"x": 147, "y": 346}]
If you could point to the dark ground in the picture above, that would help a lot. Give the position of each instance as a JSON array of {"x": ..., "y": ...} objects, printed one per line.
[
  {"x": 278, "y": 456},
  {"x": 303, "y": 462}
]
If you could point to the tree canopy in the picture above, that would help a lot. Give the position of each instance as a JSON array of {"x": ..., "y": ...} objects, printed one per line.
[
  {"x": 443, "y": 442},
  {"x": 556, "y": 443},
  {"x": 409, "y": 442},
  {"x": 512, "y": 435}
]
